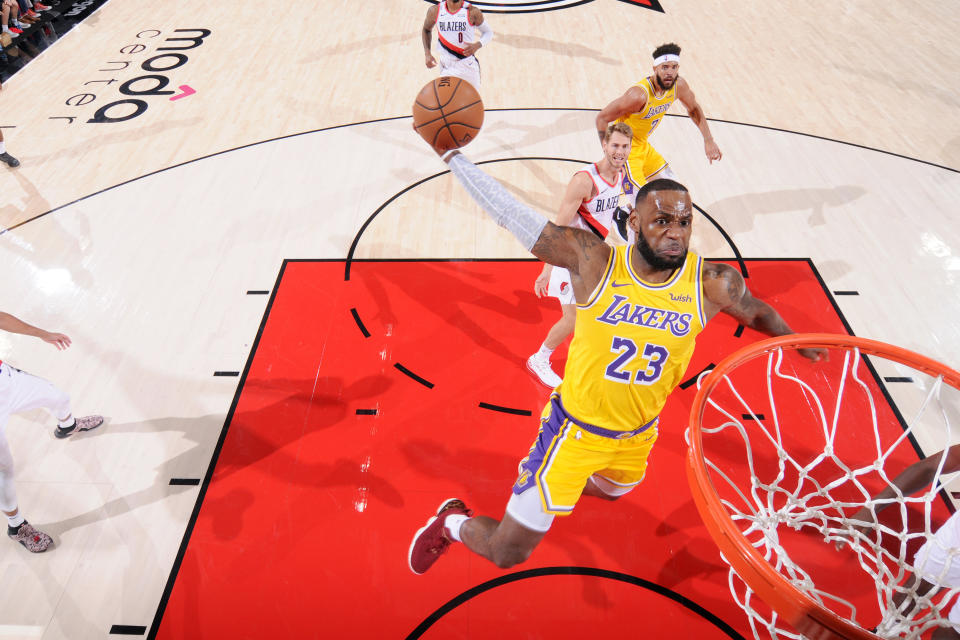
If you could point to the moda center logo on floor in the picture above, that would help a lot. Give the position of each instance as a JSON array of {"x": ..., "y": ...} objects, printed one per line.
[
  {"x": 534, "y": 6},
  {"x": 142, "y": 66}
]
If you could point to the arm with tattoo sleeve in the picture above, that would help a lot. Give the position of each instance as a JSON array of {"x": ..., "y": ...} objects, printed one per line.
[{"x": 726, "y": 291}]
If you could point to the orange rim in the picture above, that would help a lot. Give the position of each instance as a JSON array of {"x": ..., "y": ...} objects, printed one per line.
[{"x": 802, "y": 612}]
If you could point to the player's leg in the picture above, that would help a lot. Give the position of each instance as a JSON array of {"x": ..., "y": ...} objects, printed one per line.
[
  {"x": 18, "y": 529},
  {"x": 550, "y": 482},
  {"x": 560, "y": 288},
  {"x": 655, "y": 166},
  {"x": 628, "y": 469},
  {"x": 664, "y": 172},
  {"x": 562, "y": 328},
  {"x": 505, "y": 543},
  {"x": 5, "y": 157},
  {"x": 467, "y": 69},
  {"x": 33, "y": 392}
]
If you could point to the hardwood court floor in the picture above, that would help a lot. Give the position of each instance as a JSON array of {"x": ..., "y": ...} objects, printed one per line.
[{"x": 141, "y": 238}]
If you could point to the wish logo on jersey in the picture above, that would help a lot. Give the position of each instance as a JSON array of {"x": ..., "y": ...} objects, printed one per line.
[{"x": 535, "y": 6}]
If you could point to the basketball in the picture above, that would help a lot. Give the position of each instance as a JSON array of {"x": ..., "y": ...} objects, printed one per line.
[{"x": 448, "y": 113}]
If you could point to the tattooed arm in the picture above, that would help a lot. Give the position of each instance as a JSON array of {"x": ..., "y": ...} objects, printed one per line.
[
  {"x": 581, "y": 252},
  {"x": 725, "y": 290}
]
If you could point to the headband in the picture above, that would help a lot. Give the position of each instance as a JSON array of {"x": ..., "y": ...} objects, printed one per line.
[{"x": 667, "y": 57}]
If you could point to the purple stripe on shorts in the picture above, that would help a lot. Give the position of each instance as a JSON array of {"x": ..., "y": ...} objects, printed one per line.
[{"x": 550, "y": 428}]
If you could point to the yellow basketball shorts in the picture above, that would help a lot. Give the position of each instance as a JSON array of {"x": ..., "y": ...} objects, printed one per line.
[
  {"x": 643, "y": 162},
  {"x": 565, "y": 455}
]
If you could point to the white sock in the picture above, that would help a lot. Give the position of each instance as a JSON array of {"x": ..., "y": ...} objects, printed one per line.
[
  {"x": 3, "y": 147},
  {"x": 453, "y": 523},
  {"x": 544, "y": 352},
  {"x": 15, "y": 521},
  {"x": 68, "y": 423}
]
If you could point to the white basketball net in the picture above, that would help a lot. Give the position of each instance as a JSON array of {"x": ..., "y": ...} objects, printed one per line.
[{"x": 815, "y": 495}]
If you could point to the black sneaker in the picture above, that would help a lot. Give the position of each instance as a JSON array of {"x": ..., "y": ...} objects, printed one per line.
[{"x": 9, "y": 159}]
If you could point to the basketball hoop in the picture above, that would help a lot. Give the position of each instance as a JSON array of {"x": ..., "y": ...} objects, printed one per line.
[{"x": 777, "y": 466}]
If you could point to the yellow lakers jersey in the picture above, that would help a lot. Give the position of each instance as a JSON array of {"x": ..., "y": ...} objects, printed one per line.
[
  {"x": 644, "y": 122},
  {"x": 632, "y": 343}
]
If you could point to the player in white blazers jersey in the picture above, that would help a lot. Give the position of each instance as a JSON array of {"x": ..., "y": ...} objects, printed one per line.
[
  {"x": 457, "y": 23},
  {"x": 590, "y": 203},
  {"x": 19, "y": 392},
  {"x": 936, "y": 564}
]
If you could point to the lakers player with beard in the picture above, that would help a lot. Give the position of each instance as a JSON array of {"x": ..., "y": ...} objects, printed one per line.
[
  {"x": 643, "y": 107},
  {"x": 640, "y": 308}
]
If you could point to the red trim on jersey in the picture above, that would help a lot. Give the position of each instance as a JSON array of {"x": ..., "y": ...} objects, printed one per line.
[
  {"x": 452, "y": 48},
  {"x": 609, "y": 184},
  {"x": 592, "y": 222}
]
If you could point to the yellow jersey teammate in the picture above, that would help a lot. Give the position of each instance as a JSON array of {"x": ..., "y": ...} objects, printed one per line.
[
  {"x": 639, "y": 310},
  {"x": 643, "y": 106}
]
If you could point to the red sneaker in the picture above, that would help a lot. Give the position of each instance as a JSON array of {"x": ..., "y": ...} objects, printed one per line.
[
  {"x": 16, "y": 30},
  {"x": 431, "y": 541},
  {"x": 40, "y": 7}
]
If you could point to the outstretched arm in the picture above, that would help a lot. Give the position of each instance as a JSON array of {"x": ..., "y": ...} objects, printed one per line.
[
  {"x": 16, "y": 325},
  {"x": 912, "y": 479},
  {"x": 695, "y": 111},
  {"x": 725, "y": 290},
  {"x": 632, "y": 101},
  {"x": 582, "y": 252}
]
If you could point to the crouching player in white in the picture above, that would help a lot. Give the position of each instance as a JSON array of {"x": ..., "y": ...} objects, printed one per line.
[
  {"x": 591, "y": 203},
  {"x": 936, "y": 564},
  {"x": 20, "y": 391}
]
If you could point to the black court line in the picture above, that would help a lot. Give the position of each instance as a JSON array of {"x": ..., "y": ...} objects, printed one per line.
[
  {"x": 489, "y": 7},
  {"x": 168, "y": 589},
  {"x": 226, "y": 374},
  {"x": 846, "y": 293},
  {"x": 739, "y": 331},
  {"x": 356, "y": 318},
  {"x": 258, "y": 292},
  {"x": 811, "y": 135},
  {"x": 692, "y": 380},
  {"x": 654, "y": 4},
  {"x": 184, "y": 482},
  {"x": 496, "y": 407},
  {"x": 407, "y": 372},
  {"x": 897, "y": 379},
  {"x": 877, "y": 379},
  {"x": 574, "y": 571},
  {"x": 127, "y": 630},
  {"x": 379, "y": 120},
  {"x": 750, "y": 416},
  {"x": 369, "y": 220},
  {"x": 726, "y": 236},
  {"x": 366, "y": 412}
]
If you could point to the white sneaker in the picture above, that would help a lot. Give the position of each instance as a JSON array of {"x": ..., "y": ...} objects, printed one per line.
[
  {"x": 540, "y": 367},
  {"x": 10, "y": 33}
]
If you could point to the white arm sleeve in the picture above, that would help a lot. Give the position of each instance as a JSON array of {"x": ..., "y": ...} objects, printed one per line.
[
  {"x": 517, "y": 218},
  {"x": 486, "y": 33}
]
